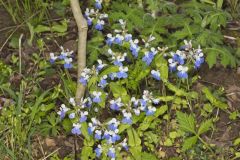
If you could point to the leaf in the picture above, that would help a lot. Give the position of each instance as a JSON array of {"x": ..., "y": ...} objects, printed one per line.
[
  {"x": 60, "y": 28},
  {"x": 205, "y": 126},
  {"x": 84, "y": 130},
  {"x": 189, "y": 142},
  {"x": 133, "y": 138},
  {"x": 186, "y": 122},
  {"x": 41, "y": 28},
  {"x": 136, "y": 152},
  {"x": 211, "y": 58},
  {"x": 162, "y": 66},
  {"x": 110, "y": 69},
  {"x": 67, "y": 125},
  {"x": 213, "y": 100},
  {"x": 148, "y": 156},
  {"x": 86, "y": 152},
  {"x": 119, "y": 91},
  {"x": 180, "y": 92},
  {"x": 236, "y": 142},
  {"x": 219, "y": 4}
]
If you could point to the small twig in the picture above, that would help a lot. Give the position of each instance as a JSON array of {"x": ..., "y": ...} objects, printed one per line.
[
  {"x": 41, "y": 148},
  {"x": 229, "y": 37},
  {"x": 6, "y": 28},
  {"x": 51, "y": 154},
  {"x": 20, "y": 54}
]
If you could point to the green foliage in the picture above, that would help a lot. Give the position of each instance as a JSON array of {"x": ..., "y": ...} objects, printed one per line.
[
  {"x": 213, "y": 100},
  {"x": 187, "y": 124}
]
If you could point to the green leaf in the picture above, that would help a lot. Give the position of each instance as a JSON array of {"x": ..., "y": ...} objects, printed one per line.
[
  {"x": 213, "y": 100},
  {"x": 148, "y": 156},
  {"x": 219, "y": 4},
  {"x": 86, "y": 152},
  {"x": 162, "y": 66},
  {"x": 133, "y": 138},
  {"x": 110, "y": 69},
  {"x": 84, "y": 130},
  {"x": 41, "y": 28},
  {"x": 186, "y": 122},
  {"x": 67, "y": 125},
  {"x": 189, "y": 142},
  {"x": 119, "y": 91},
  {"x": 205, "y": 126},
  {"x": 60, "y": 28},
  {"x": 136, "y": 152},
  {"x": 180, "y": 92},
  {"x": 236, "y": 142}
]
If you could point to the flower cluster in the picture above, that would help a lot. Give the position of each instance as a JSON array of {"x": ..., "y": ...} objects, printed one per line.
[
  {"x": 95, "y": 18},
  {"x": 106, "y": 134},
  {"x": 181, "y": 58},
  {"x": 65, "y": 56}
]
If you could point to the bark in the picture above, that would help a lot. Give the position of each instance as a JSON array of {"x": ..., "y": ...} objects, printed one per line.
[{"x": 82, "y": 41}]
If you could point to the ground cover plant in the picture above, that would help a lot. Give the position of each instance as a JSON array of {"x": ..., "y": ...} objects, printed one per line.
[{"x": 142, "y": 93}]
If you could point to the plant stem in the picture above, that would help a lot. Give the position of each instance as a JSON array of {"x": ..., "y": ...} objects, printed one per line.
[{"x": 82, "y": 42}]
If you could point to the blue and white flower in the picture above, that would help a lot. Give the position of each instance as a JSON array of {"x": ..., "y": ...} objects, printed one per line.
[
  {"x": 98, "y": 150},
  {"x": 76, "y": 129},
  {"x": 122, "y": 72},
  {"x": 63, "y": 110},
  {"x": 112, "y": 76},
  {"x": 156, "y": 101},
  {"x": 127, "y": 117},
  {"x": 116, "y": 104},
  {"x": 98, "y": 134},
  {"x": 99, "y": 25},
  {"x": 113, "y": 124},
  {"x": 172, "y": 65},
  {"x": 182, "y": 72},
  {"x": 150, "y": 110},
  {"x": 134, "y": 101},
  {"x": 124, "y": 144},
  {"x": 72, "y": 101},
  {"x": 110, "y": 39},
  {"x": 119, "y": 59},
  {"x": 103, "y": 82},
  {"x": 128, "y": 37},
  {"x": 199, "y": 58},
  {"x": 134, "y": 47},
  {"x": 98, "y": 4},
  {"x": 100, "y": 65},
  {"x": 68, "y": 63},
  {"x": 149, "y": 56},
  {"x": 118, "y": 39},
  {"x": 83, "y": 117},
  {"x": 97, "y": 96},
  {"x": 85, "y": 75},
  {"x": 156, "y": 74},
  {"x": 53, "y": 58},
  {"x": 114, "y": 136},
  {"x": 111, "y": 153},
  {"x": 65, "y": 53},
  {"x": 91, "y": 128},
  {"x": 89, "y": 12},
  {"x": 137, "y": 111},
  {"x": 71, "y": 115},
  {"x": 179, "y": 57}
]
